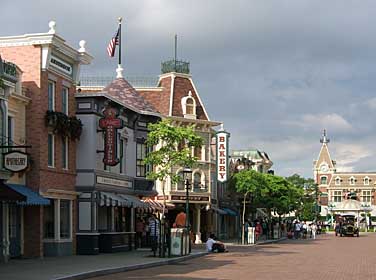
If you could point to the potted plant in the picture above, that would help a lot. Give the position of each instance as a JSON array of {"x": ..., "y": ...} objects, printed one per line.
[{"x": 75, "y": 128}]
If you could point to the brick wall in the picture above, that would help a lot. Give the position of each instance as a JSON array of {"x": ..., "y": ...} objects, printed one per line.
[{"x": 33, "y": 231}]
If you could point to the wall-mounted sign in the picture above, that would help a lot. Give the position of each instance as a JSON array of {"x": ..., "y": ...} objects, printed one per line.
[
  {"x": 113, "y": 182},
  {"x": 61, "y": 65},
  {"x": 110, "y": 123},
  {"x": 191, "y": 198},
  {"x": 15, "y": 161},
  {"x": 222, "y": 156}
]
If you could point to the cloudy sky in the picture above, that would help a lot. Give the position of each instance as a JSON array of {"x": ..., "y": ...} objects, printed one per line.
[{"x": 275, "y": 72}]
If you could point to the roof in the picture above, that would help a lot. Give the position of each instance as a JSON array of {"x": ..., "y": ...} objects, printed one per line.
[
  {"x": 120, "y": 91},
  {"x": 32, "y": 198}
]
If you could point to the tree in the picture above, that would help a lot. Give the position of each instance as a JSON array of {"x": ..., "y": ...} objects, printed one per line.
[
  {"x": 246, "y": 182},
  {"x": 165, "y": 138},
  {"x": 305, "y": 210}
]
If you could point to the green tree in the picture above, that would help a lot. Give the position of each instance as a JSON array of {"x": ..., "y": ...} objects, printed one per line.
[
  {"x": 165, "y": 138},
  {"x": 246, "y": 182}
]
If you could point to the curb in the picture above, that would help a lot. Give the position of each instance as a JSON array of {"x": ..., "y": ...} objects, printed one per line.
[
  {"x": 271, "y": 241},
  {"x": 125, "y": 268}
]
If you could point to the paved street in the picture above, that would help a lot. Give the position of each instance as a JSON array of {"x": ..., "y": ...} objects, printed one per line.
[{"x": 327, "y": 257}]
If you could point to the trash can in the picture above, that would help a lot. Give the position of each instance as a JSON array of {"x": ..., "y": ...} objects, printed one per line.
[
  {"x": 179, "y": 242},
  {"x": 251, "y": 235}
]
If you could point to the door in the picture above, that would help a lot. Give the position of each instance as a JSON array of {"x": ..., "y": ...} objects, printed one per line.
[{"x": 14, "y": 231}]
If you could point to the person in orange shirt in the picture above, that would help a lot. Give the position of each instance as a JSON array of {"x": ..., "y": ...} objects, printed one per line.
[{"x": 180, "y": 220}]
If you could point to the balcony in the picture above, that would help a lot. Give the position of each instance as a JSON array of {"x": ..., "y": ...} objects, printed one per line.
[
  {"x": 173, "y": 65},
  {"x": 8, "y": 71}
]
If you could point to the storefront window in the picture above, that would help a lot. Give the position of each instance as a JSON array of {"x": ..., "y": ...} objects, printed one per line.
[
  {"x": 65, "y": 227},
  {"x": 48, "y": 220},
  {"x": 120, "y": 219}
]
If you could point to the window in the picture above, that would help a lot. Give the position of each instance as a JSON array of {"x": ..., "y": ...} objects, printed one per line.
[
  {"x": 337, "y": 196},
  {"x": 323, "y": 180},
  {"x": 180, "y": 185},
  {"x": 352, "y": 181},
  {"x": 51, "y": 96},
  {"x": 64, "y": 152},
  {"x": 48, "y": 220},
  {"x": 140, "y": 165},
  {"x": 64, "y": 99},
  {"x": 197, "y": 180},
  {"x": 51, "y": 150},
  {"x": 366, "y": 196},
  {"x": 198, "y": 153},
  {"x": 65, "y": 219},
  {"x": 338, "y": 181},
  {"x": 190, "y": 106},
  {"x": 121, "y": 155},
  {"x": 366, "y": 181}
]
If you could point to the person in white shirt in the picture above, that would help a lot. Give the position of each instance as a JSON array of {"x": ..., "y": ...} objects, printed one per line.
[
  {"x": 213, "y": 245},
  {"x": 314, "y": 229}
]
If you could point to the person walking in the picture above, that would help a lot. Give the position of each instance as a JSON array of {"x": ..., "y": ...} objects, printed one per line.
[
  {"x": 313, "y": 230},
  {"x": 140, "y": 228},
  {"x": 296, "y": 229},
  {"x": 154, "y": 232}
]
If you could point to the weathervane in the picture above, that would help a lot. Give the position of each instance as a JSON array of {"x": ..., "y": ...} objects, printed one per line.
[{"x": 324, "y": 139}]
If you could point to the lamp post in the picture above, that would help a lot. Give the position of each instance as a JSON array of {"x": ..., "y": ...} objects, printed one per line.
[{"x": 187, "y": 171}]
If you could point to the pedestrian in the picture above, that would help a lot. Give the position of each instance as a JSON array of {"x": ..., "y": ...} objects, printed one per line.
[
  {"x": 180, "y": 220},
  {"x": 296, "y": 229},
  {"x": 140, "y": 229},
  {"x": 258, "y": 230},
  {"x": 305, "y": 230},
  {"x": 154, "y": 232},
  {"x": 214, "y": 246},
  {"x": 313, "y": 230}
]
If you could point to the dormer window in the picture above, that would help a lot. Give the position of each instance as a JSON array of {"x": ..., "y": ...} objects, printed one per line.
[
  {"x": 323, "y": 180},
  {"x": 366, "y": 181},
  {"x": 338, "y": 181},
  {"x": 352, "y": 181},
  {"x": 188, "y": 104}
]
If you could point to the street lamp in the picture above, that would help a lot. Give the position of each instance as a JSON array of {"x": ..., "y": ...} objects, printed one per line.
[{"x": 187, "y": 171}]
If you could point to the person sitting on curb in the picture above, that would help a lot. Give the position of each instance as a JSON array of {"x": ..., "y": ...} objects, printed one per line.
[{"x": 214, "y": 246}]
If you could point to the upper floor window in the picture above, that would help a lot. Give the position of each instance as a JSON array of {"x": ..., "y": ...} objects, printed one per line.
[
  {"x": 64, "y": 152},
  {"x": 198, "y": 153},
  {"x": 142, "y": 168},
  {"x": 352, "y": 181},
  {"x": 366, "y": 181},
  {"x": 10, "y": 130},
  {"x": 64, "y": 100},
  {"x": 323, "y": 180},
  {"x": 338, "y": 181},
  {"x": 188, "y": 104},
  {"x": 51, "y": 95},
  {"x": 180, "y": 184},
  {"x": 337, "y": 196},
  {"x": 366, "y": 196},
  {"x": 197, "y": 180},
  {"x": 51, "y": 150}
]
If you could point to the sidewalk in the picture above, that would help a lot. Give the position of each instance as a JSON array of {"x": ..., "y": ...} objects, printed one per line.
[
  {"x": 81, "y": 267},
  {"x": 260, "y": 242}
]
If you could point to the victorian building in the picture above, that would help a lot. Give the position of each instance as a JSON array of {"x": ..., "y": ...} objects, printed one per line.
[
  {"x": 111, "y": 174},
  {"x": 49, "y": 68},
  {"x": 343, "y": 192}
]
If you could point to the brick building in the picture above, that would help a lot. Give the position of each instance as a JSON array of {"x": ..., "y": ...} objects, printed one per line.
[
  {"x": 50, "y": 69},
  {"x": 343, "y": 192}
]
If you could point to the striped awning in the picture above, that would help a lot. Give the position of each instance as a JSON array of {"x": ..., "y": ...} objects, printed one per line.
[
  {"x": 112, "y": 199},
  {"x": 158, "y": 206},
  {"x": 31, "y": 197},
  {"x": 135, "y": 202}
]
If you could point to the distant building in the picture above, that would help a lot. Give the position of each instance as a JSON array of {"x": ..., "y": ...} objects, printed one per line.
[
  {"x": 257, "y": 160},
  {"x": 343, "y": 192}
]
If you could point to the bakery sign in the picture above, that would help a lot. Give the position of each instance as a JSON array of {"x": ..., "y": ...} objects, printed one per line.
[
  {"x": 222, "y": 156},
  {"x": 110, "y": 124},
  {"x": 15, "y": 161}
]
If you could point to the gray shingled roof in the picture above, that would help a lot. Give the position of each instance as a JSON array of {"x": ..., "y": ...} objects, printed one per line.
[{"x": 120, "y": 90}]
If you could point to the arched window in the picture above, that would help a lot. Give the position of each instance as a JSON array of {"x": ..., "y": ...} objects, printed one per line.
[
  {"x": 197, "y": 153},
  {"x": 338, "y": 181},
  {"x": 323, "y": 180},
  {"x": 188, "y": 104},
  {"x": 180, "y": 185},
  {"x": 197, "y": 180},
  {"x": 366, "y": 181},
  {"x": 352, "y": 181}
]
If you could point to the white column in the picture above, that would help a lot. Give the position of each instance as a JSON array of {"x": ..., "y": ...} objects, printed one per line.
[
  {"x": 57, "y": 219},
  {"x": 198, "y": 223}
]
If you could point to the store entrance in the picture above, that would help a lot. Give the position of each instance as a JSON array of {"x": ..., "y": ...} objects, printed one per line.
[{"x": 14, "y": 231}]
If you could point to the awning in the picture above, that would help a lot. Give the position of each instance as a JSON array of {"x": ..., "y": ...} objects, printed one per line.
[
  {"x": 156, "y": 205},
  {"x": 135, "y": 202},
  {"x": 219, "y": 211},
  {"x": 31, "y": 197},
  {"x": 9, "y": 195},
  {"x": 230, "y": 212},
  {"x": 112, "y": 199}
]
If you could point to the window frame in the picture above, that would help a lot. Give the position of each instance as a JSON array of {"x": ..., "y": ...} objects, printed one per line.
[
  {"x": 140, "y": 165},
  {"x": 321, "y": 180},
  {"x": 65, "y": 153},
  {"x": 69, "y": 211},
  {"x": 52, "y": 152},
  {"x": 65, "y": 96},
  {"x": 337, "y": 196},
  {"x": 51, "y": 95}
]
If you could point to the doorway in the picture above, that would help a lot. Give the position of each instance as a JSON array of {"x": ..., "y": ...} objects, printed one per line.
[{"x": 14, "y": 231}]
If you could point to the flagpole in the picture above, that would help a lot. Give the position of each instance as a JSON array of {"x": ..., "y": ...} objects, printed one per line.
[{"x": 119, "y": 70}]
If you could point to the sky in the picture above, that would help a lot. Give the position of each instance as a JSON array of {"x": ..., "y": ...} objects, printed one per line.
[{"x": 276, "y": 72}]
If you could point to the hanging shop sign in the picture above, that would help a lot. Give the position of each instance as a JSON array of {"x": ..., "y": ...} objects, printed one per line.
[
  {"x": 110, "y": 124},
  {"x": 222, "y": 156},
  {"x": 15, "y": 161}
]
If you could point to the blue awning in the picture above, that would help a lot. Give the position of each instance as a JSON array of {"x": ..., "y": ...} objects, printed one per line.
[
  {"x": 32, "y": 198},
  {"x": 219, "y": 211},
  {"x": 230, "y": 212}
]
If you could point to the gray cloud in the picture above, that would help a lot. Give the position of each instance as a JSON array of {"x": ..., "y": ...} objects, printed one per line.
[{"x": 276, "y": 72}]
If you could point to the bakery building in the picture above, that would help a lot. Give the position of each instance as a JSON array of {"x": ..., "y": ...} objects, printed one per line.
[
  {"x": 111, "y": 174},
  {"x": 49, "y": 67}
]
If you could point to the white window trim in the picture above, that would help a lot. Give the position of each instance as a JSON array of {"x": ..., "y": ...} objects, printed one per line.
[
  {"x": 184, "y": 106},
  {"x": 57, "y": 237},
  {"x": 53, "y": 94},
  {"x": 352, "y": 180},
  {"x": 366, "y": 179},
  {"x": 53, "y": 151},
  {"x": 65, "y": 91},
  {"x": 202, "y": 178},
  {"x": 326, "y": 180},
  {"x": 337, "y": 181},
  {"x": 66, "y": 154}
]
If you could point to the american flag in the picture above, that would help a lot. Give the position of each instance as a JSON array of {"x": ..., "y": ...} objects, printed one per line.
[{"x": 112, "y": 45}]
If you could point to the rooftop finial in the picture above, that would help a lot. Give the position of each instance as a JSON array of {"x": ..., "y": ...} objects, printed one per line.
[
  {"x": 82, "y": 44},
  {"x": 119, "y": 72},
  {"x": 324, "y": 139},
  {"x": 52, "y": 25}
]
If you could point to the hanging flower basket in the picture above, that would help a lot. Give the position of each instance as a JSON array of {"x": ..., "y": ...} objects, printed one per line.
[
  {"x": 63, "y": 125},
  {"x": 75, "y": 128}
]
